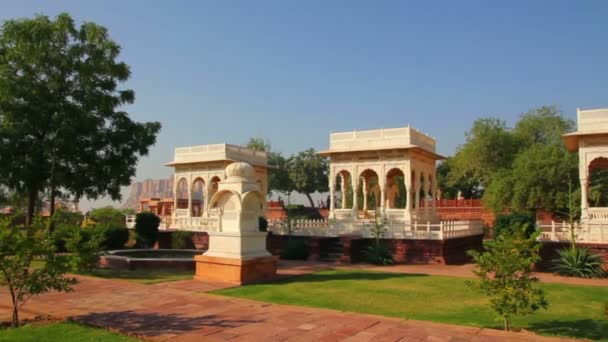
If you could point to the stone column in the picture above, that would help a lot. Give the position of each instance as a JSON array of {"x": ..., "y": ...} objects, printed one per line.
[
  {"x": 332, "y": 190},
  {"x": 365, "y": 193},
  {"x": 343, "y": 186},
  {"x": 355, "y": 188},
  {"x": 175, "y": 181},
  {"x": 433, "y": 193},
  {"x": 189, "y": 199},
  {"x": 417, "y": 194},
  {"x": 382, "y": 199},
  {"x": 584, "y": 200},
  {"x": 427, "y": 189}
]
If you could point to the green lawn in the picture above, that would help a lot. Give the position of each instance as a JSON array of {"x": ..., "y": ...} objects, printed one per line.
[
  {"x": 576, "y": 311},
  {"x": 60, "y": 332},
  {"x": 138, "y": 276},
  {"x": 142, "y": 276}
]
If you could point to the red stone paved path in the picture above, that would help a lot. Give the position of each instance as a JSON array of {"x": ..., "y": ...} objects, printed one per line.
[{"x": 181, "y": 311}]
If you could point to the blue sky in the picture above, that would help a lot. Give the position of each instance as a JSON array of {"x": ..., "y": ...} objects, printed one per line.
[{"x": 292, "y": 71}]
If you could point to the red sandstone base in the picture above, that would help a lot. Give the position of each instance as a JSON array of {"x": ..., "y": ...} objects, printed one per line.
[{"x": 239, "y": 271}]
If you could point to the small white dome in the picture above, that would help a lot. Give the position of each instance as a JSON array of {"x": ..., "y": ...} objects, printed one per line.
[{"x": 240, "y": 170}]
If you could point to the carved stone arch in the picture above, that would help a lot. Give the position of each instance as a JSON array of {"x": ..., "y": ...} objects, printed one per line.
[
  {"x": 396, "y": 188},
  {"x": 181, "y": 192}
]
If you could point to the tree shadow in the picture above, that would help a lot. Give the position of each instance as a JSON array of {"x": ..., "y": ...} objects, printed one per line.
[
  {"x": 153, "y": 324},
  {"x": 328, "y": 275},
  {"x": 583, "y": 328}
]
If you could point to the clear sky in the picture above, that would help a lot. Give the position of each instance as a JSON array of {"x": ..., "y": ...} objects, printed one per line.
[{"x": 292, "y": 71}]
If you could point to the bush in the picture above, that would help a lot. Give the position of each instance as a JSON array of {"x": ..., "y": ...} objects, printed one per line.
[
  {"x": 577, "y": 262},
  {"x": 146, "y": 229},
  {"x": 262, "y": 224},
  {"x": 505, "y": 224},
  {"x": 182, "y": 240},
  {"x": 111, "y": 236},
  {"x": 108, "y": 215},
  {"x": 295, "y": 249},
  {"x": 62, "y": 233},
  {"x": 82, "y": 243},
  {"x": 378, "y": 254}
]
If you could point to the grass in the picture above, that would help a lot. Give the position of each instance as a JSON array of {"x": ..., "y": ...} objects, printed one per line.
[
  {"x": 65, "y": 331},
  {"x": 141, "y": 276},
  {"x": 575, "y": 311}
]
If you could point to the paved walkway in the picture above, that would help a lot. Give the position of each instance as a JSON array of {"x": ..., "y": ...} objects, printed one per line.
[{"x": 182, "y": 311}]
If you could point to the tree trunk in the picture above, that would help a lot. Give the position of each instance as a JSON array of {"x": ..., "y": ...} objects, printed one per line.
[
  {"x": 506, "y": 324},
  {"x": 32, "y": 198},
  {"x": 15, "y": 316},
  {"x": 52, "y": 211},
  {"x": 312, "y": 203}
]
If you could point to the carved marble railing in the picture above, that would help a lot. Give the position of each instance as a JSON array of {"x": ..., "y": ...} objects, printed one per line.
[
  {"x": 393, "y": 229},
  {"x": 196, "y": 224},
  {"x": 598, "y": 214},
  {"x": 588, "y": 232}
]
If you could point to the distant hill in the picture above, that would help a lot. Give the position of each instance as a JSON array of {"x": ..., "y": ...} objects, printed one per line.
[{"x": 161, "y": 188}]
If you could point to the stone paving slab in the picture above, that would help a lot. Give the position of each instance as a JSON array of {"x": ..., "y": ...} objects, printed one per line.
[{"x": 180, "y": 312}]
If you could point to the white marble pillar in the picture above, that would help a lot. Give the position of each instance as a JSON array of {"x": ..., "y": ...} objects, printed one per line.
[{"x": 584, "y": 199}]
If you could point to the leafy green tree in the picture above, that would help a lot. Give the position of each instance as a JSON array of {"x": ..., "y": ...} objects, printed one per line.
[
  {"x": 504, "y": 274},
  {"x": 537, "y": 180},
  {"x": 278, "y": 173},
  {"x": 450, "y": 184},
  {"x": 19, "y": 246},
  {"x": 62, "y": 126},
  {"x": 489, "y": 147},
  {"x": 308, "y": 172},
  {"x": 108, "y": 215},
  {"x": 146, "y": 229}
]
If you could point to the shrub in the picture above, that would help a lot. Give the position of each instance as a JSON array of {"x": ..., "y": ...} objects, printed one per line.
[
  {"x": 578, "y": 262},
  {"x": 505, "y": 275},
  {"x": 294, "y": 249},
  {"x": 505, "y": 224},
  {"x": 378, "y": 254},
  {"x": 146, "y": 229},
  {"x": 262, "y": 224},
  {"x": 62, "y": 233},
  {"x": 108, "y": 215},
  {"x": 182, "y": 240},
  {"x": 111, "y": 236}
]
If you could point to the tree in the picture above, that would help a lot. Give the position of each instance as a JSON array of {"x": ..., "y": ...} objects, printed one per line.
[
  {"x": 537, "y": 180},
  {"x": 308, "y": 173},
  {"x": 278, "y": 173},
  {"x": 62, "y": 126},
  {"x": 19, "y": 246},
  {"x": 489, "y": 147},
  {"x": 146, "y": 229},
  {"x": 504, "y": 272},
  {"x": 108, "y": 215},
  {"x": 450, "y": 184}
]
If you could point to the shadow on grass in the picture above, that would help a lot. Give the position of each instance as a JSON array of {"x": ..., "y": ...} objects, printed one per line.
[
  {"x": 583, "y": 328},
  {"x": 153, "y": 324},
  {"x": 331, "y": 275}
]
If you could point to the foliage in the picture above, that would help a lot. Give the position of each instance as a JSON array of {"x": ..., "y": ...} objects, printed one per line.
[
  {"x": 308, "y": 172},
  {"x": 262, "y": 224},
  {"x": 111, "y": 236},
  {"x": 523, "y": 168},
  {"x": 278, "y": 173},
  {"x": 576, "y": 311},
  {"x": 19, "y": 246},
  {"x": 378, "y": 253},
  {"x": 510, "y": 223},
  {"x": 504, "y": 272},
  {"x": 578, "y": 262},
  {"x": 182, "y": 240},
  {"x": 298, "y": 211},
  {"x": 60, "y": 100},
  {"x": 83, "y": 246},
  {"x": 146, "y": 229},
  {"x": 294, "y": 249},
  {"x": 107, "y": 215},
  {"x": 452, "y": 183},
  {"x": 65, "y": 331},
  {"x": 62, "y": 216}
]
